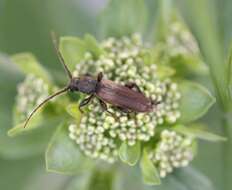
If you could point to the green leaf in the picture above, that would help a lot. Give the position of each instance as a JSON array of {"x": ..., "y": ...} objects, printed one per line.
[
  {"x": 81, "y": 182},
  {"x": 165, "y": 71},
  {"x": 74, "y": 49},
  {"x": 195, "y": 101},
  {"x": 73, "y": 110},
  {"x": 19, "y": 127},
  {"x": 32, "y": 143},
  {"x": 36, "y": 122},
  {"x": 149, "y": 171},
  {"x": 92, "y": 46},
  {"x": 63, "y": 155},
  {"x": 130, "y": 154},
  {"x": 121, "y": 18},
  {"x": 101, "y": 179},
  {"x": 229, "y": 74},
  {"x": 48, "y": 114},
  {"x": 187, "y": 64},
  {"x": 198, "y": 132},
  {"x": 192, "y": 179},
  {"x": 186, "y": 178},
  {"x": 28, "y": 64}
]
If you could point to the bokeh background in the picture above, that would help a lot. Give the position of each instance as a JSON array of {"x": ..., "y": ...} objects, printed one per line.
[{"x": 25, "y": 26}]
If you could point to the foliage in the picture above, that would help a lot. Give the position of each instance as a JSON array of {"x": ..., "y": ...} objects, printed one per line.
[{"x": 50, "y": 130}]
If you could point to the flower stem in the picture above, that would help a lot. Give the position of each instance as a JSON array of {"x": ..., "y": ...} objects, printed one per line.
[{"x": 227, "y": 151}]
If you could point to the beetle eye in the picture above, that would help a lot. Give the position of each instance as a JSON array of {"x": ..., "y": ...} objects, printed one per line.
[{"x": 76, "y": 80}]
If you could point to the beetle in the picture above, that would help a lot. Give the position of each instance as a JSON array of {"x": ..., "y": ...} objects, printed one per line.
[{"x": 128, "y": 98}]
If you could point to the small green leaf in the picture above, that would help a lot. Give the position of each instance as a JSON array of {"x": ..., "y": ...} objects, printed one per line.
[
  {"x": 74, "y": 49},
  {"x": 73, "y": 110},
  {"x": 187, "y": 64},
  {"x": 165, "y": 71},
  {"x": 114, "y": 20},
  {"x": 196, "y": 131},
  {"x": 19, "y": 126},
  {"x": 63, "y": 155},
  {"x": 92, "y": 46},
  {"x": 28, "y": 64},
  {"x": 195, "y": 101},
  {"x": 130, "y": 154},
  {"x": 18, "y": 129},
  {"x": 47, "y": 114},
  {"x": 149, "y": 171}
]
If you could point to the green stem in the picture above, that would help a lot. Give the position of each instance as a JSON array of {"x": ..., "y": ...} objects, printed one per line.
[
  {"x": 163, "y": 19},
  {"x": 227, "y": 151}
]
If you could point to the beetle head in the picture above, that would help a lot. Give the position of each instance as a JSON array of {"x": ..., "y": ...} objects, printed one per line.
[{"x": 74, "y": 83}]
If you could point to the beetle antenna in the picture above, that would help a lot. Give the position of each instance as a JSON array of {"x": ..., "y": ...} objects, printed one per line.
[
  {"x": 45, "y": 101},
  {"x": 56, "y": 47}
]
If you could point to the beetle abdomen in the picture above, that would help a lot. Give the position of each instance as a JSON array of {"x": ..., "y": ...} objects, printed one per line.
[{"x": 121, "y": 96}]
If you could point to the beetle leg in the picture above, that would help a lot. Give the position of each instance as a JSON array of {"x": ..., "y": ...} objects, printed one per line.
[
  {"x": 104, "y": 107},
  {"x": 154, "y": 102},
  {"x": 87, "y": 74},
  {"x": 124, "y": 110},
  {"x": 85, "y": 102},
  {"x": 132, "y": 85},
  {"x": 128, "y": 112},
  {"x": 99, "y": 76}
]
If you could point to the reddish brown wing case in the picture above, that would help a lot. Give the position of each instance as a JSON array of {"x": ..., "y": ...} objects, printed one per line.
[{"x": 121, "y": 96}]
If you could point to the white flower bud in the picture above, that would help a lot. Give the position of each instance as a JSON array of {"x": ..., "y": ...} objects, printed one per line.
[
  {"x": 162, "y": 174},
  {"x": 131, "y": 143},
  {"x": 72, "y": 136}
]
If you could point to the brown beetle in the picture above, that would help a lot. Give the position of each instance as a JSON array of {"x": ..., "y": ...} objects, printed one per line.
[{"x": 125, "y": 98}]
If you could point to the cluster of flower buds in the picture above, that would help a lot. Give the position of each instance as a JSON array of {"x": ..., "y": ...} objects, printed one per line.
[
  {"x": 31, "y": 92},
  {"x": 180, "y": 40},
  {"x": 91, "y": 135},
  {"x": 123, "y": 62},
  {"x": 172, "y": 151}
]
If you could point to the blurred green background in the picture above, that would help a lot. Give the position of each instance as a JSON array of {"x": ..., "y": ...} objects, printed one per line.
[{"x": 25, "y": 25}]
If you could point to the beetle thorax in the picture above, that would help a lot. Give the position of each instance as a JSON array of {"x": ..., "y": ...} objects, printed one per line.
[{"x": 85, "y": 85}]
